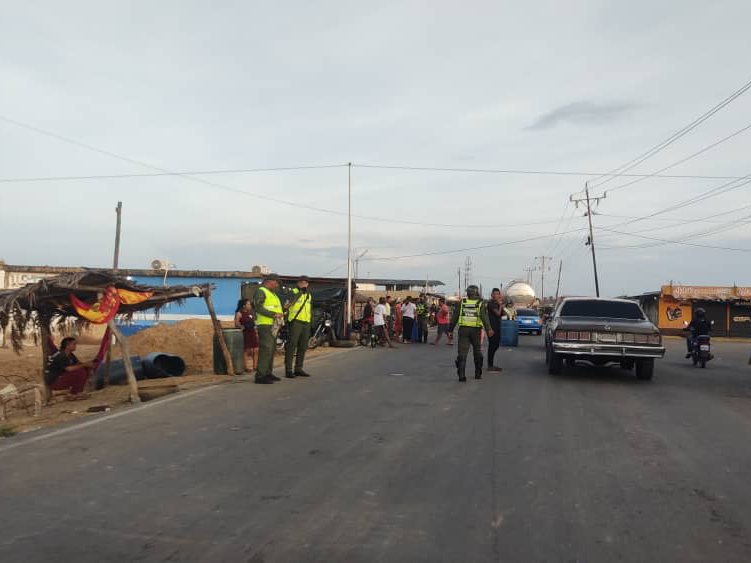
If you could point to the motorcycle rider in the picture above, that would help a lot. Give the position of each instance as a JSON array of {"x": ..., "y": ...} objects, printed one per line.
[
  {"x": 472, "y": 317},
  {"x": 699, "y": 325}
]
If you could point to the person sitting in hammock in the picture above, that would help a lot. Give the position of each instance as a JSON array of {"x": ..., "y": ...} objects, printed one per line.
[{"x": 65, "y": 373}]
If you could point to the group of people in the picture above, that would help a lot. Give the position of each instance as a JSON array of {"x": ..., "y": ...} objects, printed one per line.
[
  {"x": 405, "y": 321},
  {"x": 261, "y": 320},
  {"x": 409, "y": 321}
]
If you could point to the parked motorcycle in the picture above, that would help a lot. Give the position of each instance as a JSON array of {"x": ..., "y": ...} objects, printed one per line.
[{"x": 321, "y": 332}]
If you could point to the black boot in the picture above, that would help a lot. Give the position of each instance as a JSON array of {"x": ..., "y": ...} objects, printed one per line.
[
  {"x": 478, "y": 373},
  {"x": 460, "y": 369}
]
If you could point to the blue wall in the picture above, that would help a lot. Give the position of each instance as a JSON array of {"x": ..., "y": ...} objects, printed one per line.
[{"x": 224, "y": 296}]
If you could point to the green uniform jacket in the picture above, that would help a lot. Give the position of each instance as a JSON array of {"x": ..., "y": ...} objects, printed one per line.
[{"x": 483, "y": 316}]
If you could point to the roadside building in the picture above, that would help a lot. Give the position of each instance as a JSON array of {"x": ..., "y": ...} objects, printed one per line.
[{"x": 728, "y": 306}]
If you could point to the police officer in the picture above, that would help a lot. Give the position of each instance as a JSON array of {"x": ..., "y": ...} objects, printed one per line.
[
  {"x": 298, "y": 329},
  {"x": 472, "y": 317},
  {"x": 421, "y": 311},
  {"x": 268, "y": 309}
]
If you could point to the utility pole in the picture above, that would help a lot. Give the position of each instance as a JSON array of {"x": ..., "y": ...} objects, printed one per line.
[
  {"x": 591, "y": 240},
  {"x": 542, "y": 282},
  {"x": 115, "y": 261},
  {"x": 558, "y": 287},
  {"x": 119, "y": 211},
  {"x": 529, "y": 271},
  {"x": 459, "y": 273},
  {"x": 348, "y": 322},
  {"x": 467, "y": 272}
]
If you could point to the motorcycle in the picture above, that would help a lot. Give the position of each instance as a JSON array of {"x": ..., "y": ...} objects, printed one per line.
[
  {"x": 701, "y": 349},
  {"x": 322, "y": 331}
]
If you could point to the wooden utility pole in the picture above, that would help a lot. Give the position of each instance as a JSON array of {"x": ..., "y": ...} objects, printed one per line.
[
  {"x": 558, "y": 287},
  {"x": 115, "y": 261},
  {"x": 119, "y": 211},
  {"x": 591, "y": 240}
]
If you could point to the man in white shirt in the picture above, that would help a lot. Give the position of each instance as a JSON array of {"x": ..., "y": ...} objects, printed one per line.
[
  {"x": 379, "y": 321},
  {"x": 408, "y": 319}
]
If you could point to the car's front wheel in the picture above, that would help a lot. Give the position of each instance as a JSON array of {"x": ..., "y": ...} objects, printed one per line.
[{"x": 645, "y": 369}]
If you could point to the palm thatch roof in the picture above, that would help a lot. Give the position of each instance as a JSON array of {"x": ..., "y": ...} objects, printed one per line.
[{"x": 48, "y": 300}]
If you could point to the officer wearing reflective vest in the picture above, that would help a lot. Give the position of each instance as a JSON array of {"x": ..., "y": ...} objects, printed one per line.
[
  {"x": 472, "y": 318},
  {"x": 298, "y": 329},
  {"x": 421, "y": 312},
  {"x": 269, "y": 312}
]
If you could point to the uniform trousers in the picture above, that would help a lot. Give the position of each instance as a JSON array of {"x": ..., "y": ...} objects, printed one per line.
[
  {"x": 297, "y": 345},
  {"x": 266, "y": 350},
  {"x": 469, "y": 336}
]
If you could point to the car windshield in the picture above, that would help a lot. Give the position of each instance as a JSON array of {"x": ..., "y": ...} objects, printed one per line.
[
  {"x": 600, "y": 308},
  {"x": 526, "y": 313}
]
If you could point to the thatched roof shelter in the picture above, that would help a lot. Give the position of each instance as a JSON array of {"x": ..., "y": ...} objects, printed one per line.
[
  {"x": 49, "y": 300},
  {"x": 36, "y": 306}
]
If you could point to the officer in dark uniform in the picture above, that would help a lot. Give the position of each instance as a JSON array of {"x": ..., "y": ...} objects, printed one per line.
[
  {"x": 298, "y": 329},
  {"x": 472, "y": 318}
]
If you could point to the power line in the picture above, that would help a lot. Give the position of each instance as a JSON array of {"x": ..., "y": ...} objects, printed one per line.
[
  {"x": 537, "y": 172},
  {"x": 676, "y": 241},
  {"x": 441, "y": 252},
  {"x": 686, "y": 159},
  {"x": 186, "y": 173},
  {"x": 672, "y": 138}
]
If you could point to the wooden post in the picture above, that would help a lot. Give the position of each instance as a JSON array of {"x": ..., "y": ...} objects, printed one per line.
[
  {"x": 46, "y": 335},
  {"x": 218, "y": 333},
  {"x": 132, "y": 382}
]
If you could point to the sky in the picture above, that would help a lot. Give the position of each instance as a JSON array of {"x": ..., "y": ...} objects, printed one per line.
[{"x": 133, "y": 88}]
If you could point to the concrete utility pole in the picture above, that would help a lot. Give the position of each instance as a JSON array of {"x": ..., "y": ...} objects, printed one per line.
[
  {"x": 348, "y": 322},
  {"x": 542, "y": 282},
  {"x": 591, "y": 240},
  {"x": 459, "y": 273},
  {"x": 558, "y": 287}
]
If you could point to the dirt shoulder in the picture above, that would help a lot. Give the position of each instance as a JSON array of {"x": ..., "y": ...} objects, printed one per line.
[{"x": 192, "y": 340}]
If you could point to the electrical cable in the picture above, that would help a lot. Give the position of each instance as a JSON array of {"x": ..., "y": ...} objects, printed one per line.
[
  {"x": 686, "y": 159},
  {"x": 672, "y": 138},
  {"x": 441, "y": 252}
]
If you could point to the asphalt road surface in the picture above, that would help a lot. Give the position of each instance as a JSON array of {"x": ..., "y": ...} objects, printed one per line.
[{"x": 384, "y": 456}]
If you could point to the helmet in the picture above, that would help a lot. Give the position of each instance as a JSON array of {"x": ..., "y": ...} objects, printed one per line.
[
  {"x": 473, "y": 292},
  {"x": 700, "y": 313}
]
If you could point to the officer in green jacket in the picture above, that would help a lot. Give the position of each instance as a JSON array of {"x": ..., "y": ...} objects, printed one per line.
[
  {"x": 298, "y": 329},
  {"x": 472, "y": 318},
  {"x": 268, "y": 309},
  {"x": 421, "y": 312}
]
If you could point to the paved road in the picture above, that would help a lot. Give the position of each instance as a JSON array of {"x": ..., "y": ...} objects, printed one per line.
[{"x": 383, "y": 456}]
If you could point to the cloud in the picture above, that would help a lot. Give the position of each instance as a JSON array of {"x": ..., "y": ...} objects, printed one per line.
[{"x": 582, "y": 113}]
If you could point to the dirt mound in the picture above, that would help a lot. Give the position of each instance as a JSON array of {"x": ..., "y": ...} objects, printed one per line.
[{"x": 191, "y": 339}]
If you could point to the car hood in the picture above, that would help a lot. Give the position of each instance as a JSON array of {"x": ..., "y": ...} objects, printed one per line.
[{"x": 600, "y": 323}]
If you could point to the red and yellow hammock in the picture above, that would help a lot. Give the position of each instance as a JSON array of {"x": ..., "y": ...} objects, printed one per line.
[{"x": 106, "y": 308}]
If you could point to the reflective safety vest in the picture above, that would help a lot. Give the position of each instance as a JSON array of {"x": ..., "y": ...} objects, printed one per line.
[
  {"x": 421, "y": 310},
  {"x": 469, "y": 315},
  {"x": 300, "y": 309},
  {"x": 271, "y": 303}
]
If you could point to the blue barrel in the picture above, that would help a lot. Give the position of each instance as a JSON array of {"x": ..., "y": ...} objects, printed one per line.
[
  {"x": 117, "y": 372},
  {"x": 159, "y": 364},
  {"x": 509, "y": 333}
]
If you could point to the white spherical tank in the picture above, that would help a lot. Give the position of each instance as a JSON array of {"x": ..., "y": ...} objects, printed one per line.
[{"x": 520, "y": 293}]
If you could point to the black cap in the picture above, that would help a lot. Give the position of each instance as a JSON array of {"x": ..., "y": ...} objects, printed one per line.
[
  {"x": 303, "y": 278},
  {"x": 271, "y": 277}
]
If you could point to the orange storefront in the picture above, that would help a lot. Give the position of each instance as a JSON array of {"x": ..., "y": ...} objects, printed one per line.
[{"x": 728, "y": 306}]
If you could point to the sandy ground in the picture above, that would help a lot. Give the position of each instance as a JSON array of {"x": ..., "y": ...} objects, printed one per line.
[{"x": 192, "y": 340}]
